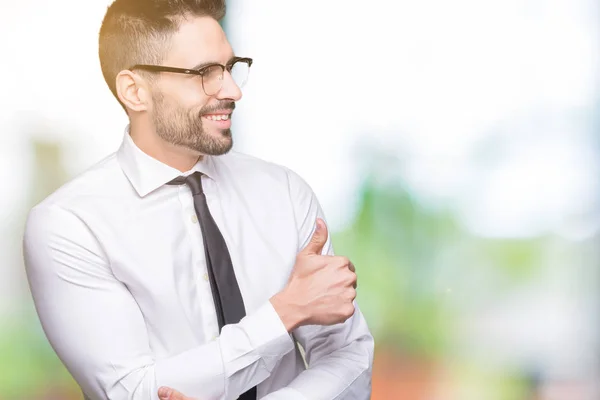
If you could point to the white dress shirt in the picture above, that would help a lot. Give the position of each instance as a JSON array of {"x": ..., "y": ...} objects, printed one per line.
[{"x": 116, "y": 266}]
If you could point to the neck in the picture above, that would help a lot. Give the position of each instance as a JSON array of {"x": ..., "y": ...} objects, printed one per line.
[{"x": 145, "y": 138}]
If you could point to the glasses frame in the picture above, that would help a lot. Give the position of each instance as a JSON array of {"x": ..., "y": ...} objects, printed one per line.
[{"x": 198, "y": 72}]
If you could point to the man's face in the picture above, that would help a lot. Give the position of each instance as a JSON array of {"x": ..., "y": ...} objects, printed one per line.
[{"x": 182, "y": 113}]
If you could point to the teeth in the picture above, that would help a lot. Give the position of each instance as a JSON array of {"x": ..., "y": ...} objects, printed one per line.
[{"x": 218, "y": 117}]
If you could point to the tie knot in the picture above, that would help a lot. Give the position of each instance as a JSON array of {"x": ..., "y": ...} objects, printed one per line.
[{"x": 194, "y": 181}]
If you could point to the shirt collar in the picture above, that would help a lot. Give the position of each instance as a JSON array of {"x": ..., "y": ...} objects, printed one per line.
[{"x": 146, "y": 173}]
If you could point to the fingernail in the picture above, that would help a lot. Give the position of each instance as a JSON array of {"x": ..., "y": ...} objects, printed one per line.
[
  {"x": 318, "y": 227},
  {"x": 164, "y": 393}
]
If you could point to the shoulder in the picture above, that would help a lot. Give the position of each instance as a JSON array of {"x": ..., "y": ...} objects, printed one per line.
[
  {"x": 76, "y": 196},
  {"x": 99, "y": 180},
  {"x": 243, "y": 167}
]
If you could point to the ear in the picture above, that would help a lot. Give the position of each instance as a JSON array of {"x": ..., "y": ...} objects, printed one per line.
[{"x": 133, "y": 91}]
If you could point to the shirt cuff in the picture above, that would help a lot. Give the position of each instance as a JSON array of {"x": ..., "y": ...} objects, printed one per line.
[{"x": 267, "y": 332}]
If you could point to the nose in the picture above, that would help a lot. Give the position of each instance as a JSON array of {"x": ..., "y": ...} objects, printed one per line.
[{"x": 229, "y": 89}]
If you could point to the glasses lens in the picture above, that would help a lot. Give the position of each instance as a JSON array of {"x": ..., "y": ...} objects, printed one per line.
[
  {"x": 239, "y": 72},
  {"x": 212, "y": 79}
]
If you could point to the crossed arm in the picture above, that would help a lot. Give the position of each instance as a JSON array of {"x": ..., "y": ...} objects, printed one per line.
[{"x": 97, "y": 329}]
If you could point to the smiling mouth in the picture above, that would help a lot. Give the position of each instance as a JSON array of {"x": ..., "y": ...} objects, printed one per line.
[{"x": 217, "y": 117}]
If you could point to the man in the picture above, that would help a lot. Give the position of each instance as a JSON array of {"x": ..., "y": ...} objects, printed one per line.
[{"x": 178, "y": 265}]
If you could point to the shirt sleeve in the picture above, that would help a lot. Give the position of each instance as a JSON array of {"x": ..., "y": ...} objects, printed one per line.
[
  {"x": 339, "y": 357},
  {"x": 98, "y": 331}
]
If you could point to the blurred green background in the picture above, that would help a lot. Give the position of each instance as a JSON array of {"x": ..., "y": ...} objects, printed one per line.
[{"x": 454, "y": 148}]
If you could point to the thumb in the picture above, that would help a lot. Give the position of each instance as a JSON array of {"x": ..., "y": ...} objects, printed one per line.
[{"x": 318, "y": 239}]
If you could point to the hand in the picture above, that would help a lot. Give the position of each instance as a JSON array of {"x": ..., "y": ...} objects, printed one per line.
[
  {"x": 320, "y": 290},
  {"x": 167, "y": 393}
]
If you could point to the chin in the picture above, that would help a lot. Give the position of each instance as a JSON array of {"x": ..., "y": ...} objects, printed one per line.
[{"x": 225, "y": 144}]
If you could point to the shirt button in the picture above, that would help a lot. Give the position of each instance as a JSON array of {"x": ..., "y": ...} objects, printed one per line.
[
  {"x": 194, "y": 219},
  {"x": 205, "y": 276}
]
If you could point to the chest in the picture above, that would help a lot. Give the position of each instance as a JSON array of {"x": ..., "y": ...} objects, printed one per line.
[{"x": 156, "y": 249}]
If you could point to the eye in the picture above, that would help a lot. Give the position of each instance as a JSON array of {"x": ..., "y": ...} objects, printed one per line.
[{"x": 212, "y": 71}]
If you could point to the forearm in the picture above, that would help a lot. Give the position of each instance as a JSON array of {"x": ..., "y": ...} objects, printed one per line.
[
  {"x": 343, "y": 374},
  {"x": 242, "y": 357},
  {"x": 340, "y": 359},
  {"x": 247, "y": 353}
]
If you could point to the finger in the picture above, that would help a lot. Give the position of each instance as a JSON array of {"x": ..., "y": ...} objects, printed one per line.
[
  {"x": 351, "y": 266},
  {"x": 318, "y": 239},
  {"x": 341, "y": 262},
  {"x": 167, "y": 393},
  {"x": 164, "y": 393},
  {"x": 354, "y": 280},
  {"x": 353, "y": 295}
]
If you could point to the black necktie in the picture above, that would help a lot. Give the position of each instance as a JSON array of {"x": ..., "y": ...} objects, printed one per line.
[{"x": 229, "y": 304}]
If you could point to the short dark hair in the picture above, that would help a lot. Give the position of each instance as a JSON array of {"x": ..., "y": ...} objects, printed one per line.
[{"x": 139, "y": 31}]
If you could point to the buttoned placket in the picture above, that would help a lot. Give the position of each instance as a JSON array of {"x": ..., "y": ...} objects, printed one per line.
[{"x": 204, "y": 308}]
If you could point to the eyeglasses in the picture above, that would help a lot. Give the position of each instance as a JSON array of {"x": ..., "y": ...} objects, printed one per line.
[{"x": 211, "y": 74}]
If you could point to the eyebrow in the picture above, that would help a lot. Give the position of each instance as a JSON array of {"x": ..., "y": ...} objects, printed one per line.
[{"x": 204, "y": 64}]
